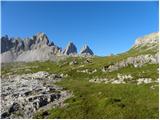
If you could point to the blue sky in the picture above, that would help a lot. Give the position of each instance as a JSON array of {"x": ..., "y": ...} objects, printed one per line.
[{"x": 107, "y": 27}]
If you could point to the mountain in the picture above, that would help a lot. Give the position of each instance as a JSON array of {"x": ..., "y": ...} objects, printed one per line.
[
  {"x": 116, "y": 86},
  {"x": 70, "y": 49},
  {"x": 85, "y": 50},
  {"x": 143, "y": 54},
  {"x": 37, "y": 48}
]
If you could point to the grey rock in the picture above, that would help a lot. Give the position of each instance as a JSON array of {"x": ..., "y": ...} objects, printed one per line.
[
  {"x": 152, "y": 38},
  {"x": 144, "y": 80},
  {"x": 19, "y": 45},
  {"x": 28, "y": 43},
  {"x": 137, "y": 61},
  {"x": 122, "y": 79},
  {"x": 8, "y": 56},
  {"x": 40, "y": 40},
  {"x": 6, "y": 44},
  {"x": 5, "y": 115},
  {"x": 70, "y": 49},
  {"x": 14, "y": 107},
  {"x": 27, "y": 93},
  {"x": 85, "y": 50},
  {"x": 37, "y": 48},
  {"x": 74, "y": 62}
]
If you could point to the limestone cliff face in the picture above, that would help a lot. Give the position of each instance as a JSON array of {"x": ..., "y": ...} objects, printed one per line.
[
  {"x": 71, "y": 49},
  {"x": 85, "y": 50},
  {"x": 36, "y": 48},
  {"x": 29, "y": 49},
  {"x": 152, "y": 38}
]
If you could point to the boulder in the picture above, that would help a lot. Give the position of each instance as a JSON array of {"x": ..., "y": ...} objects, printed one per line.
[
  {"x": 14, "y": 107},
  {"x": 5, "y": 115}
]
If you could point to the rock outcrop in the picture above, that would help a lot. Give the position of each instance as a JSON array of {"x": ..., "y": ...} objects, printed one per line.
[
  {"x": 123, "y": 79},
  {"x": 137, "y": 61},
  {"x": 6, "y": 44},
  {"x": 86, "y": 51},
  {"x": 23, "y": 95},
  {"x": 148, "y": 39},
  {"x": 146, "y": 49},
  {"x": 70, "y": 49}
]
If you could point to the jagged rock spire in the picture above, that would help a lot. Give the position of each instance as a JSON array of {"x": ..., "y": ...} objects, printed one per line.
[
  {"x": 70, "y": 49},
  {"x": 85, "y": 50}
]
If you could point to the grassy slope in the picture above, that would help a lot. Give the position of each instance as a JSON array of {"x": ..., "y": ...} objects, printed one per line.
[
  {"x": 108, "y": 101},
  {"x": 99, "y": 100}
]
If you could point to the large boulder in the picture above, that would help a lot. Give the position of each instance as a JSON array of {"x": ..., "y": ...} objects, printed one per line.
[{"x": 14, "y": 107}]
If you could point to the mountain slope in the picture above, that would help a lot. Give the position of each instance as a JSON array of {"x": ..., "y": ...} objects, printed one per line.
[{"x": 118, "y": 86}]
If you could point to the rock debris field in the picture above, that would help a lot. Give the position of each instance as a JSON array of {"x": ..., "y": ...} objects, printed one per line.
[{"x": 23, "y": 95}]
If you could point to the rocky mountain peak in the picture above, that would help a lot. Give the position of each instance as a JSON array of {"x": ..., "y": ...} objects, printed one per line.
[
  {"x": 6, "y": 43},
  {"x": 70, "y": 49},
  {"x": 35, "y": 48},
  {"x": 85, "y": 50},
  {"x": 147, "y": 39},
  {"x": 41, "y": 38}
]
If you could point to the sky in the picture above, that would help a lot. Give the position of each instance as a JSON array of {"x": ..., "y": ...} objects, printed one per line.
[{"x": 106, "y": 27}]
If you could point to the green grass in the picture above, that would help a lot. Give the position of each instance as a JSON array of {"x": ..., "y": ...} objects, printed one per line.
[
  {"x": 99, "y": 100},
  {"x": 107, "y": 101}
]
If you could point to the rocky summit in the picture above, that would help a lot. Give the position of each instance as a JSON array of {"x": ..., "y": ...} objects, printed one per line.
[
  {"x": 36, "y": 48},
  {"x": 85, "y": 50},
  {"x": 70, "y": 49}
]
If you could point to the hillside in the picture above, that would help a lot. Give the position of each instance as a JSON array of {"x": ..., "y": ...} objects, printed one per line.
[{"x": 117, "y": 86}]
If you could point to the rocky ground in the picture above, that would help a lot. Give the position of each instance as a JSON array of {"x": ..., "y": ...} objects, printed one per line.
[
  {"x": 123, "y": 79},
  {"x": 23, "y": 95},
  {"x": 137, "y": 61}
]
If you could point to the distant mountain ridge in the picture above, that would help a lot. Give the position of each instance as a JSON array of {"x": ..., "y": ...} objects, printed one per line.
[
  {"x": 36, "y": 48},
  {"x": 39, "y": 48}
]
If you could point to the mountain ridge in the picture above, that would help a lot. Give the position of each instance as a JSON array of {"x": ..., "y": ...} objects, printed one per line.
[
  {"x": 40, "y": 48},
  {"x": 36, "y": 48}
]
